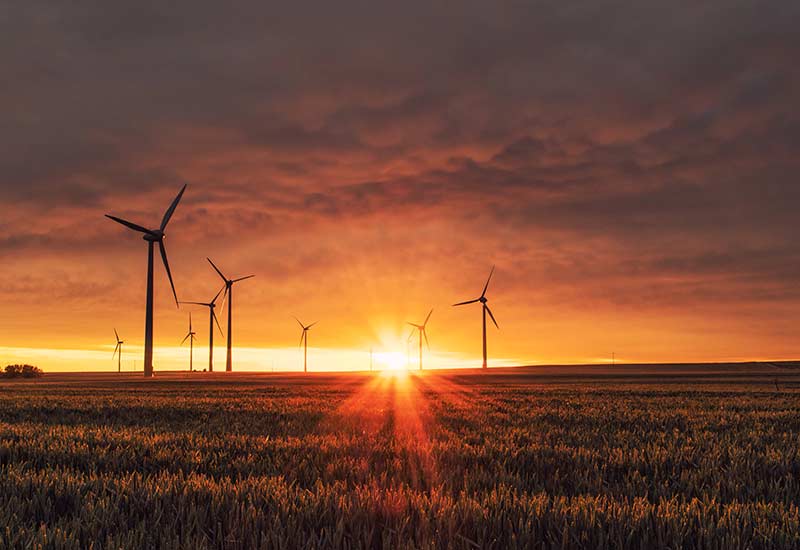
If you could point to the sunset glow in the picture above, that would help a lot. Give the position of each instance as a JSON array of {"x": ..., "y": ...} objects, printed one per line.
[{"x": 634, "y": 200}]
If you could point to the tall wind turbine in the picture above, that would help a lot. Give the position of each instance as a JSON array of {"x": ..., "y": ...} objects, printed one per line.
[
  {"x": 486, "y": 310},
  {"x": 304, "y": 341},
  {"x": 212, "y": 318},
  {"x": 190, "y": 336},
  {"x": 421, "y": 330},
  {"x": 118, "y": 348},
  {"x": 153, "y": 236},
  {"x": 228, "y": 294}
]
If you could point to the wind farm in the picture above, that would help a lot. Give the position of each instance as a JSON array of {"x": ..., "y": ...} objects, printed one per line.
[{"x": 619, "y": 176}]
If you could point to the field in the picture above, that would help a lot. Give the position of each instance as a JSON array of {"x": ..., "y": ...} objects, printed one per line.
[{"x": 629, "y": 457}]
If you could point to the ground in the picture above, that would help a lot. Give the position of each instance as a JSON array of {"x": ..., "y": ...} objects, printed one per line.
[{"x": 582, "y": 457}]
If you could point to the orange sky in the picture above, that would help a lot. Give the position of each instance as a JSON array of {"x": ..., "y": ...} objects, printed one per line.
[{"x": 634, "y": 188}]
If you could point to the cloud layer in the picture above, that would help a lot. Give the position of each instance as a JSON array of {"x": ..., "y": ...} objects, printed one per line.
[{"x": 630, "y": 168}]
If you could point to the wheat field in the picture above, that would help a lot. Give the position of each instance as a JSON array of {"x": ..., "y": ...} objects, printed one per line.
[{"x": 631, "y": 457}]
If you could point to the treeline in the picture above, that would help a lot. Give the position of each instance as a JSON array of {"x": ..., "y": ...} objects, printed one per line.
[{"x": 21, "y": 371}]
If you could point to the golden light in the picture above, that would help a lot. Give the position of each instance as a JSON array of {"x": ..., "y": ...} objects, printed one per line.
[{"x": 390, "y": 360}]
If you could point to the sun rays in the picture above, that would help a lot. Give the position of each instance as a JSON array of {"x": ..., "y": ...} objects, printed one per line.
[{"x": 395, "y": 411}]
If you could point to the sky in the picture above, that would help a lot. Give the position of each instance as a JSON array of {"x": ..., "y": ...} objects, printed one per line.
[{"x": 629, "y": 167}]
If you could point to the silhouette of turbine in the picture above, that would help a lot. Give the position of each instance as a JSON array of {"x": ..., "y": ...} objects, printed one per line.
[
  {"x": 229, "y": 296},
  {"x": 304, "y": 341},
  {"x": 118, "y": 348},
  {"x": 486, "y": 310},
  {"x": 191, "y": 337},
  {"x": 212, "y": 318},
  {"x": 421, "y": 330},
  {"x": 153, "y": 236}
]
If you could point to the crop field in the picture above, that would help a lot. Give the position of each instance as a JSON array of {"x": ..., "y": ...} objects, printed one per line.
[{"x": 629, "y": 457}]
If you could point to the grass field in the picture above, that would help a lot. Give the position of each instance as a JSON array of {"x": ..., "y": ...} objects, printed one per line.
[{"x": 585, "y": 457}]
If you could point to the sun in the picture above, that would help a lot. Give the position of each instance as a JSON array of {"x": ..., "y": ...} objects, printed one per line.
[{"x": 391, "y": 360}]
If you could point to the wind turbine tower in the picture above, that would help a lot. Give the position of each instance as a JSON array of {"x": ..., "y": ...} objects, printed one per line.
[
  {"x": 228, "y": 293},
  {"x": 304, "y": 341},
  {"x": 118, "y": 348},
  {"x": 191, "y": 337},
  {"x": 422, "y": 332},
  {"x": 482, "y": 299},
  {"x": 212, "y": 318},
  {"x": 153, "y": 236}
]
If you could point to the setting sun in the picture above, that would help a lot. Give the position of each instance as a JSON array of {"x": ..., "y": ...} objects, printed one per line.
[{"x": 390, "y": 360}]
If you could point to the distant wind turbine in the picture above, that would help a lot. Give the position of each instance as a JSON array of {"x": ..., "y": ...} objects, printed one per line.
[
  {"x": 191, "y": 337},
  {"x": 229, "y": 295},
  {"x": 304, "y": 341},
  {"x": 486, "y": 310},
  {"x": 153, "y": 236},
  {"x": 118, "y": 348},
  {"x": 421, "y": 330},
  {"x": 212, "y": 318}
]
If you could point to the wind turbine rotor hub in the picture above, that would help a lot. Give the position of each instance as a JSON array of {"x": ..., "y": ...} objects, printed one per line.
[{"x": 483, "y": 299}]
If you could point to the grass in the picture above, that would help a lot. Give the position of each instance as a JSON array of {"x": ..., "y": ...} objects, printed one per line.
[{"x": 631, "y": 457}]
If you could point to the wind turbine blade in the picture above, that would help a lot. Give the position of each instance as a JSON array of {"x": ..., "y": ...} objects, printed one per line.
[
  {"x": 485, "y": 288},
  {"x": 311, "y": 325},
  {"x": 427, "y": 318},
  {"x": 243, "y": 278},
  {"x": 115, "y": 334},
  {"x": 224, "y": 297},
  {"x": 196, "y": 303},
  {"x": 115, "y": 351},
  {"x": 299, "y": 323},
  {"x": 302, "y": 335},
  {"x": 468, "y": 302},
  {"x": 131, "y": 225},
  {"x": 214, "y": 315},
  {"x": 217, "y": 270},
  {"x": 190, "y": 322},
  {"x": 171, "y": 209},
  {"x": 218, "y": 293},
  {"x": 169, "y": 273},
  {"x": 489, "y": 311},
  {"x": 410, "y": 336},
  {"x": 413, "y": 325},
  {"x": 426, "y": 339},
  {"x": 185, "y": 337}
]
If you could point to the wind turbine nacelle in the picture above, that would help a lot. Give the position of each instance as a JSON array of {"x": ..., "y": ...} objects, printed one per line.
[{"x": 154, "y": 237}]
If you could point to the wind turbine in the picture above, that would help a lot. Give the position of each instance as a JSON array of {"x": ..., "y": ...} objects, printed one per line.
[
  {"x": 191, "y": 336},
  {"x": 421, "y": 330},
  {"x": 486, "y": 310},
  {"x": 228, "y": 294},
  {"x": 153, "y": 236},
  {"x": 304, "y": 341},
  {"x": 118, "y": 348},
  {"x": 212, "y": 318}
]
